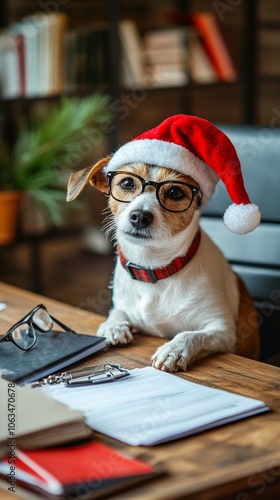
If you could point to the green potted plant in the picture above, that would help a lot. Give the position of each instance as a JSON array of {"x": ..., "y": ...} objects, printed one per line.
[{"x": 58, "y": 138}]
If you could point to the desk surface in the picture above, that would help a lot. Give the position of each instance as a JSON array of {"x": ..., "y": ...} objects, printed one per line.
[{"x": 238, "y": 461}]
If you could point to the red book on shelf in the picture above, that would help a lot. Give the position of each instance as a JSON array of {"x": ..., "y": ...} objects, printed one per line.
[
  {"x": 19, "y": 38},
  {"x": 91, "y": 470},
  {"x": 210, "y": 30}
]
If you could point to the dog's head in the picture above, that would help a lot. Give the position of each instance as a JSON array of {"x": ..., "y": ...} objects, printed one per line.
[{"x": 148, "y": 202}]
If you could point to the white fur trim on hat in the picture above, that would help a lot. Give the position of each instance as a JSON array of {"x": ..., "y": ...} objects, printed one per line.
[
  {"x": 242, "y": 218},
  {"x": 170, "y": 155}
]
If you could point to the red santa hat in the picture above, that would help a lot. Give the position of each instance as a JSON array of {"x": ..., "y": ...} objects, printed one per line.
[{"x": 194, "y": 146}]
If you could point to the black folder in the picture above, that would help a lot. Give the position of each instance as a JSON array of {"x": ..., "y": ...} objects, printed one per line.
[{"x": 53, "y": 351}]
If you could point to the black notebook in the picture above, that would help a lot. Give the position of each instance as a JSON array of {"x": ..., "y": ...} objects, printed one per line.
[{"x": 52, "y": 352}]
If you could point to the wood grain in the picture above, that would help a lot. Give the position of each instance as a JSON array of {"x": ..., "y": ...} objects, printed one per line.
[{"x": 238, "y": 461}]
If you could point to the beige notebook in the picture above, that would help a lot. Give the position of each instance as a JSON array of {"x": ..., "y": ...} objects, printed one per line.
[{"x": 34, "y": 420}]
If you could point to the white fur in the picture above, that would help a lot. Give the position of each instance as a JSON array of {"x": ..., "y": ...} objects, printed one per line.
[{"x": 195, "y": 309}]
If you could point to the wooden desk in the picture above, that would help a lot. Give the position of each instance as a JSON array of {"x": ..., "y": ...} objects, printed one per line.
[{"x": 239, "y": 461}]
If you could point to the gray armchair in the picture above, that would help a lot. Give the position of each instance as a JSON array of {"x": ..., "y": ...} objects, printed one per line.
[{"x": 255, "y": 256}]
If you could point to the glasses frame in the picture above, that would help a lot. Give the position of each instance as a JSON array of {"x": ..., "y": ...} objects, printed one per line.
[
  {"x": 29, "y": 320},
  {"x": 157, "y": 185}
]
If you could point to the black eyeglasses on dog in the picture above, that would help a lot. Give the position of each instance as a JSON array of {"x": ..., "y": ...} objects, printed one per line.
[
  {"x": 174, "y": 196},
  {"x": 23, "y": 333}
]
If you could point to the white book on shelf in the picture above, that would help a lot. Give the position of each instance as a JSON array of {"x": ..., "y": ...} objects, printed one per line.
[
  {"x": 31, "y": 57},
  {"x": 45, "y": 30},
  {"x": 132, "y": 54},
  {"x": 9, "y": 67}
]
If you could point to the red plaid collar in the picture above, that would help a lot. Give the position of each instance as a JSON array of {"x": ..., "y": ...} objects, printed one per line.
[{"x": 153, "y": 275}]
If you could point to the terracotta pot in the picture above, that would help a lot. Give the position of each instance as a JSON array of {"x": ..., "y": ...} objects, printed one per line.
[{"x": 9, "y": 215}]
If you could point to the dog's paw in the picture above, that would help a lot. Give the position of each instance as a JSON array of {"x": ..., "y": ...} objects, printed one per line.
[
  {"x": 115, "y": 333},
  {"x": 171, "y": 358}
]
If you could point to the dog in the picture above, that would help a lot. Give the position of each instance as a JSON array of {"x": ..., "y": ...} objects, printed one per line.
[{"x": 170, "y": 279}]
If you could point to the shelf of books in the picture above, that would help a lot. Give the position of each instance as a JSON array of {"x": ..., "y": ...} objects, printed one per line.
[
  {"x": 68, "y": 48},
  {"x": 40, "y": 56},
  {"x": 196, "y": 52}
]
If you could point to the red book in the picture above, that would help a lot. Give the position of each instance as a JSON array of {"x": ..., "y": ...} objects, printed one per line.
[
  {"x": 21, "y": 61},
  {"x": 89, "y": 470},
  {"x": 209, "y": 28}
]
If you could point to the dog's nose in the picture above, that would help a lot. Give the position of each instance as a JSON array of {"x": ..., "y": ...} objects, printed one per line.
[{"x": 140, "y": 219}]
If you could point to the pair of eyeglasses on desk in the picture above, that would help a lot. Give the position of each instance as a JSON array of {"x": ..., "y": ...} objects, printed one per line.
[{"x": 23, "y": 333}]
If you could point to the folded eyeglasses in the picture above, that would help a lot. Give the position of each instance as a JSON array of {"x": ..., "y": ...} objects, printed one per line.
[{"x": 23, "y": 333}]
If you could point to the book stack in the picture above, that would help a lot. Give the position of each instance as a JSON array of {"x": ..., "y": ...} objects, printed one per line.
[
  {"x": 47, "y": 448},
  {"x": 166, "y": 53},
  {"x": 132, "y": 56},
  {"x": 32, "y": 420}
]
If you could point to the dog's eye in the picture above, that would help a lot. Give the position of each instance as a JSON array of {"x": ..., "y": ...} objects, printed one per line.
[
  {"x": 175, "y": 193},
  {"x": 127, "y": 184}
]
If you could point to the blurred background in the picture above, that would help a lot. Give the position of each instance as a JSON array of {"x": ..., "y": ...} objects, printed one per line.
[{"x": 80, "y": 77}]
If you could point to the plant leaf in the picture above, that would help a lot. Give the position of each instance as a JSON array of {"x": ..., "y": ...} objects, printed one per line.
[{"x": 56, "y": 141}]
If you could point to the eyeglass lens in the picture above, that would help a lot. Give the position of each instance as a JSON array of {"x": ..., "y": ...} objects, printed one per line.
[
  {"x": 173, "y": 196},
  {"x": 24, "y": 336},
  {"x": 42, "y": 319}
]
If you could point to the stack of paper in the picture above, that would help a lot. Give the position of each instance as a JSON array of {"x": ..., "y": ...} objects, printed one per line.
[{"x": 152, "y": 406}]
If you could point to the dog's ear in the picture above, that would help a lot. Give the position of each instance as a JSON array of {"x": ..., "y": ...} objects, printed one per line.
[{"x": 93, "y": 174}]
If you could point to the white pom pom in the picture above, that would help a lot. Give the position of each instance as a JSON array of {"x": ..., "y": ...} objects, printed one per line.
[{"x": 242, "y": 218}]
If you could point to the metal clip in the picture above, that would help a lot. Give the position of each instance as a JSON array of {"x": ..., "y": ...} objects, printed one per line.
[
  {"x": 85, "y": 376},
  {"x": 50, "y": 380},
  {"x": 96, "y": 375}
]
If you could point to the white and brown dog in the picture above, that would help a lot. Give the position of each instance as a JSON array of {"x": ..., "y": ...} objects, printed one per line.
[{"x": 170, "y": 279}]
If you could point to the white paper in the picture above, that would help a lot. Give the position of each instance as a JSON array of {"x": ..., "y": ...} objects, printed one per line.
[{"x": 151, "y": 406}]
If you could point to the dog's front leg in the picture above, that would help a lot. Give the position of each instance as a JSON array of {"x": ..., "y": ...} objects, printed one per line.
[
  {"x": 185, "y": 347},
  {"x": 116, "y": 329}
]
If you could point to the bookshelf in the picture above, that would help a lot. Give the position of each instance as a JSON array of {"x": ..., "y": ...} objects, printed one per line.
[{"x": 252, "y": 33}]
